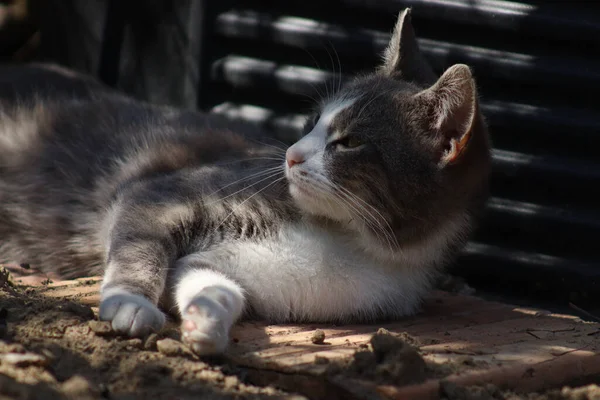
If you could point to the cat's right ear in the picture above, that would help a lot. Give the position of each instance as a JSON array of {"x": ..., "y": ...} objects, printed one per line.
[
  {"x": 402, "y": 57},
  {"x": 451, "y": 108}
]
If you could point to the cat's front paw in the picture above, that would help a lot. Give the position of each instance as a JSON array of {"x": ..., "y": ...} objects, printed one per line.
[
  {"x": 204, "y": 328},
  {"x": 131, "y": 314}
]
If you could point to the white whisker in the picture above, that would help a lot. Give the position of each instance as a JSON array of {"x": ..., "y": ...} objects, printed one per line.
[
  {"x": 382, "y": 218},
  {"x": 243, "y": 202},
  {"x": 270, "y": 172},
  {"x": 377, "y": 222},
  {"x": 330, "y": 190},
  {"x": 280, "y": 150}
]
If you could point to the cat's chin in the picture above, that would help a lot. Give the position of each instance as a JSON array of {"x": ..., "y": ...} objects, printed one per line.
[
  {"x": 303, "y": 197},
  {"x": 313, "y": 203},
  {"x": 298, "y": 191}
]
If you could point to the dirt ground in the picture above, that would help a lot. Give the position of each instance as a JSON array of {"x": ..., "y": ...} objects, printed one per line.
[
  {"x": 53, "y": 348},
  {"x": 490, "y": 392}
]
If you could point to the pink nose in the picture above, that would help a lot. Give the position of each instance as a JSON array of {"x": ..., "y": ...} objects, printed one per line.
[{"x": 293, "y": 157}]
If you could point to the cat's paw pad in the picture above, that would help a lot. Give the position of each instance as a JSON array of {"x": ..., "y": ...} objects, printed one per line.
[
  {"x": 131, "y": 314},
  {"x": 203, "y": 328}
]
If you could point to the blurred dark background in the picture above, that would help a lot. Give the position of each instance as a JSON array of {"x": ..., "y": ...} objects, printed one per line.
[{"x": 537, "y": 64}]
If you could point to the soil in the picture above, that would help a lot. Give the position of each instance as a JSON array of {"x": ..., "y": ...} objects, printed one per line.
[
  {"x": 54, "y": 349},
  {"x": 388, "y": 359},
  {"x": 396, "y": 359},
  {"x": 491, "y": 392}
]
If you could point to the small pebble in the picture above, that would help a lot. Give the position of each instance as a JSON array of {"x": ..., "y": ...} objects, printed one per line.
[
  {"x": 76, "y": 383},
  {"x": 171, "y": 347},
  {"x": 231, "y": 382},
  {"x": 101, "y": 328},
  {"x": 133, "y": 344},
  {"x": 318, "y": 337},
  {"x": 79, "y": 387}
]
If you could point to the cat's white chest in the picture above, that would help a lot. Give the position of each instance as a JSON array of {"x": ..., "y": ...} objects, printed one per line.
[{"x": 306, "y": 273}]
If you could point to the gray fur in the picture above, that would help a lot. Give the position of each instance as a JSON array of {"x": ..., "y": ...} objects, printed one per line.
[{"x": 93, "y": 182}]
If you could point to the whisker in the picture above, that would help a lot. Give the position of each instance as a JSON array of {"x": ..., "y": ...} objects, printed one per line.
[
  {"x": 279, "y": 149},
  {"x": 250, "y": 197},
  {"x": 350, "y": 203},
  {"x": 333, "y": 89},
  {"x": 371, "y": 222},
  {"x": 318, "y": 67},
  {"x": 285, "y": 145},
  {"x": 382, "y": 218},
  {"x": 374, "y": 222},
  {"x": 316, "y": 91},
  {"x": 270, "y": 172},
  {"x": 282, "y": 159},
  {"x": 339, "y": 69},
  {"x": 246, "y": 177}
]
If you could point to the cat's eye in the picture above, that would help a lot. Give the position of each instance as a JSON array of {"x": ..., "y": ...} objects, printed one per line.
[{"x": 349, "y": 142}]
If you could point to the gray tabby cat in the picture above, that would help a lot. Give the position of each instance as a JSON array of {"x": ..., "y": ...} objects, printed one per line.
[{"x": 349, "y": 224}]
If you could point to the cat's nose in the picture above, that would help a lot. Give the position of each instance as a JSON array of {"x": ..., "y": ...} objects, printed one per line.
[{"x": 293, "y": 157}]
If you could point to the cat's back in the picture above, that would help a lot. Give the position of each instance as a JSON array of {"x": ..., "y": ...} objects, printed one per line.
[
  {"x": 47, "y": 112},
  {"x": 59, "y": 125}
]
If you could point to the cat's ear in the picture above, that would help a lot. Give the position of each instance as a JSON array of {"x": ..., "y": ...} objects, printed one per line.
[
  {"x": 452, "y": 107},
  {"x": 402, "y": 57}
]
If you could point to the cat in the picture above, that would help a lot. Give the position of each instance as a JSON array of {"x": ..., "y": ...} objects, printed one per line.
[{"x": 184, "y": 212}]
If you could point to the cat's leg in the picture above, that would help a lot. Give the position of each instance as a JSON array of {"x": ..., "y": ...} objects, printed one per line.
[
  {"x": 209, "y": 304},
  {"x": 140, "y": 251}
]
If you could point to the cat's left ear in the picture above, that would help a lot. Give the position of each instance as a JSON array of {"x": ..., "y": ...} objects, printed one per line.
[
  {"x": 451, "y": 107},
  {"x": 402, "y": 56}
]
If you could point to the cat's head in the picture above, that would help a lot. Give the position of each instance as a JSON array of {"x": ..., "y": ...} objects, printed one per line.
[{"x": 400, "y": 151}]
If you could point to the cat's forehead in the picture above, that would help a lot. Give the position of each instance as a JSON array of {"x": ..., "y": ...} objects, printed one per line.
[
  {"x": 370, "y": 85},
  {"x": 334, "y": 109},
  {"x": 363, "y": 99}
]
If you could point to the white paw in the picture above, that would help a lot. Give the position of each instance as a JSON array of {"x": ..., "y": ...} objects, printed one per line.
[
  {"x": 205, "y": 323},
  {"x": 131, "y": 314}
]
